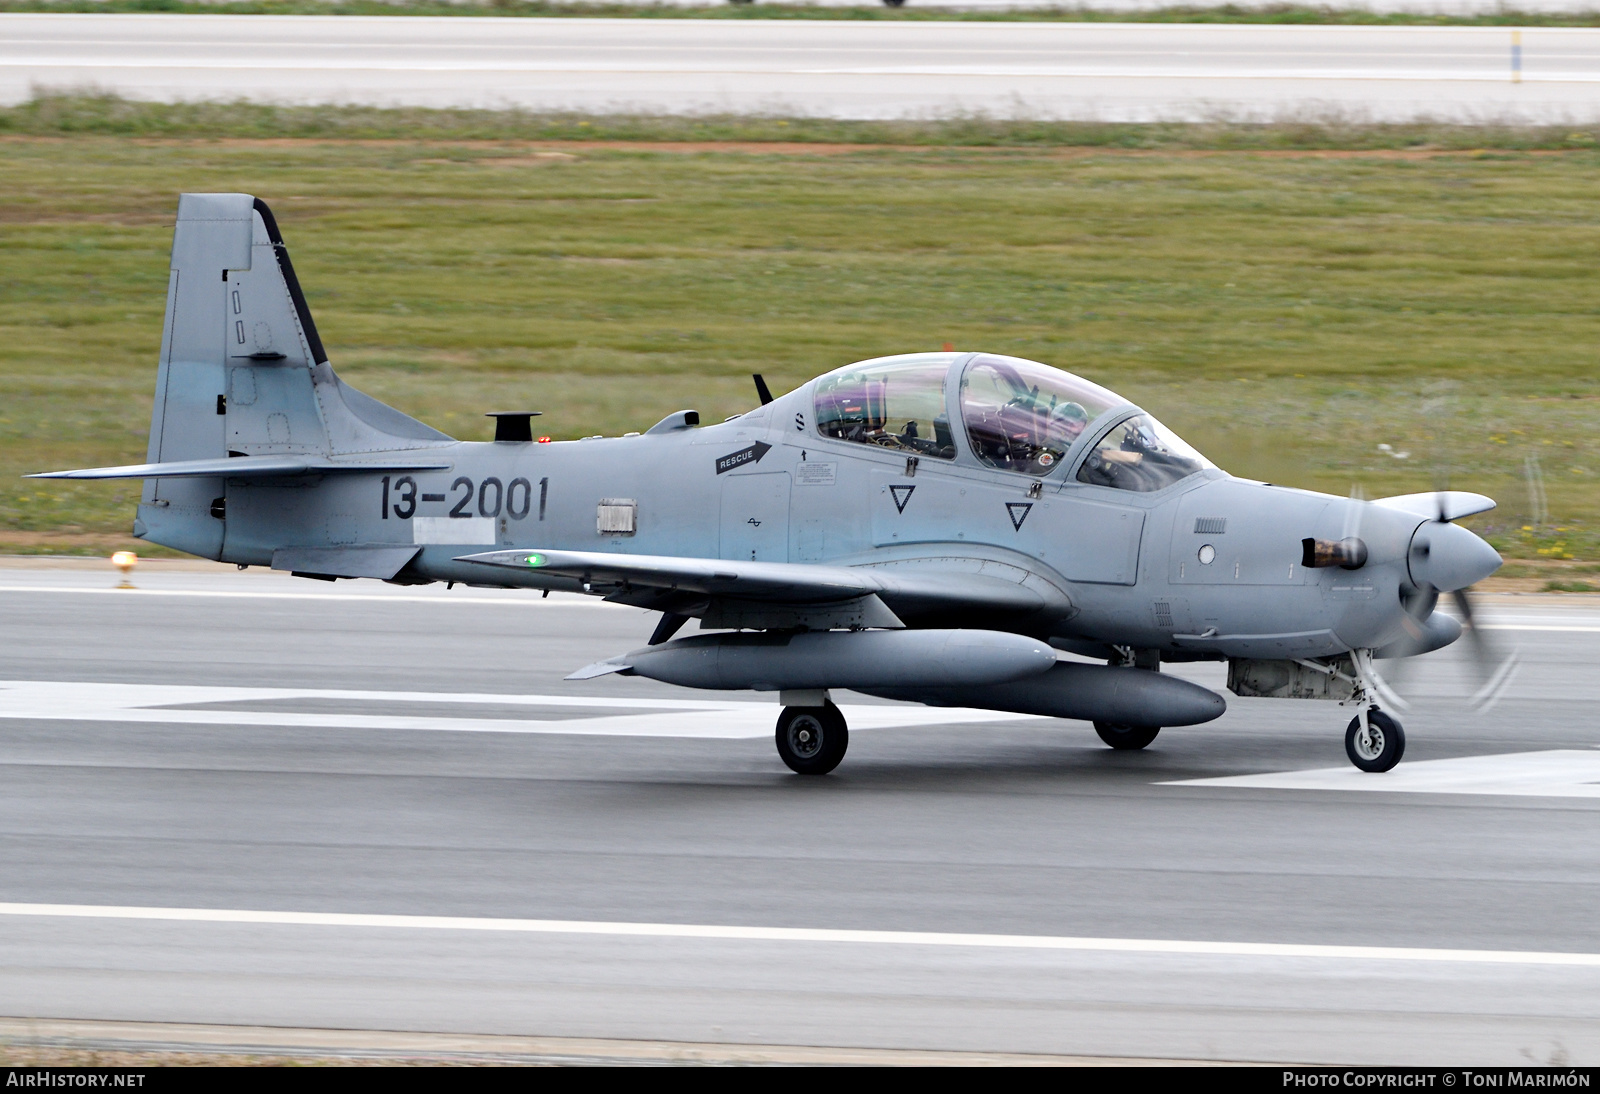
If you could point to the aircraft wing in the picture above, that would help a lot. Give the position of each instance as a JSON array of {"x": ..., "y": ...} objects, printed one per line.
[
  {"x": 903, "y": 587},
  {"x": 237, "y": 467}
]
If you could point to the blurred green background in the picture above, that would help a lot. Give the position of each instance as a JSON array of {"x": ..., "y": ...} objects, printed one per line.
[{"x": 1320, "y": 319}]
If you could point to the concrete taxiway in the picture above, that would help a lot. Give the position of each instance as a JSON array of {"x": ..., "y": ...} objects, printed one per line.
[
  {"x": 1087, "y": 71},
  {"x": 246, "y": 800}
]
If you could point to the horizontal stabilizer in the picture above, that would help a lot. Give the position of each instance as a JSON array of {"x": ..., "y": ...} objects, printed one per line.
[
  {"x": 239, "y": 467},
  {"x": 1439, "y": 504},
  {"x": 377, "y": 562},
  {"x": 777, "y": 582}
]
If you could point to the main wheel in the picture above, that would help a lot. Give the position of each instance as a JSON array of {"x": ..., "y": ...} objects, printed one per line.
[
  {"x": 1380, "y": 747},
  {"x": 812, "y": 740},
  {"x": 1124, "y": 738}
]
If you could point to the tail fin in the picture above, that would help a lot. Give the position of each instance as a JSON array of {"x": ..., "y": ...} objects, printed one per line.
[{"x": 243, "y": 371}]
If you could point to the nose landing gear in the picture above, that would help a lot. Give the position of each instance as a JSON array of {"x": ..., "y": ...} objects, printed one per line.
[{"x": 1374, "y": 741}]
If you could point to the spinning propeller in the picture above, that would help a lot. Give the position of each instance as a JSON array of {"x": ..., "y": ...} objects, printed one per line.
[
  {"x": 1493, "y": 668},
  {"x": 1443, "y": 558}
]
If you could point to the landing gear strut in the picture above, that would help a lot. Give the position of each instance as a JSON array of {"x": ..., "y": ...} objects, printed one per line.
[
  {"x": 812, "y": 739},
  {"x": 1377, "y": 745},
  {"x": 1373, "y": 740}
]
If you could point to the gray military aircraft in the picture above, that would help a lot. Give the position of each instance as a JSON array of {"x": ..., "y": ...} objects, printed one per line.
[{"x": 931, "y": 527}]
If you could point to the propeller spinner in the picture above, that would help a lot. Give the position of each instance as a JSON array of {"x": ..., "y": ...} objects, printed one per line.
[{"x": 1446, "y": 558}]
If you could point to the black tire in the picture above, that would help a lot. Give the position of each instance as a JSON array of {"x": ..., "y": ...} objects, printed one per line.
[
  {"x": 1384, "y": 746},
  {"x": 1126, "y": 738},
  {"x": 894, "y": 3},
  {"x": 812, "y": 740}
]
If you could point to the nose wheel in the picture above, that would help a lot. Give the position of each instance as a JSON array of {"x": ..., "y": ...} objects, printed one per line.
[
  {"x": 1376, "y": 745},
  {"x": 812, "y": 740}
]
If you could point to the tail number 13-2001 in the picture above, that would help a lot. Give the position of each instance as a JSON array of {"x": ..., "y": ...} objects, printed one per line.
[{"x": 492, "y": 496}]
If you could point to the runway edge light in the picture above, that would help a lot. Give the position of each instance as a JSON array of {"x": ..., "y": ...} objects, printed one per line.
[{"x": 124, "y": 561}]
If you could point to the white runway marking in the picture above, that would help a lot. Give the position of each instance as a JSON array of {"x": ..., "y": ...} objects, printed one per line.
[
  {"x": 803, "y": 935},
  {"x": 707, "y": 718},
  {"x": 1560, "y": 773},
  {"x": 821, "y": 68}
]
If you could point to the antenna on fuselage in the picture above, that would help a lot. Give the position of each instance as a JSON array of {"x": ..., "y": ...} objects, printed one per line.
[
  {"x": 513, "y": 425},
  {"x": 761, "y": 389}
]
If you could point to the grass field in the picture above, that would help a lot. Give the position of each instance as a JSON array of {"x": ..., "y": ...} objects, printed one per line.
[{"x": 1289, "y": 312}]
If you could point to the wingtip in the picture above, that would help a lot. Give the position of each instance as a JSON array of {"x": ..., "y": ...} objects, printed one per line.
[{"x": 599, "y": 668}]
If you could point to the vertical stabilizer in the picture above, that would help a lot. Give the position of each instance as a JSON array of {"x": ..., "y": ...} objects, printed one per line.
[
  {"x": 243, "y": 372},
  {"x": 212, "y": 238}
]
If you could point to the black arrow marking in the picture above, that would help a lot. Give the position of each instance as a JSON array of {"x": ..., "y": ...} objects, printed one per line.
[
  {"x": 901, "y": 495},
  {"x": 1019, "y": 512},
  {"x": 752, "y": 454}
]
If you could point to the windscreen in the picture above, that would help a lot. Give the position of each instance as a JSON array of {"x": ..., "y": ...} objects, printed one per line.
[{"x": 1140, "y": 454}]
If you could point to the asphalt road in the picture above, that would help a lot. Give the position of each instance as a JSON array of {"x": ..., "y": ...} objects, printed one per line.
[
  {"x": 282, "y": 761},
  {"x": 1092, "y": 71}
]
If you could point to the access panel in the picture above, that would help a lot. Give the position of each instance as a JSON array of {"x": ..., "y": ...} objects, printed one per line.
[{"x": 755, "y": 517}]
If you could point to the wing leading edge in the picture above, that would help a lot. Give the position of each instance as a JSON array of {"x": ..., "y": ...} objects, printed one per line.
[{"x": 907, "y": 590}]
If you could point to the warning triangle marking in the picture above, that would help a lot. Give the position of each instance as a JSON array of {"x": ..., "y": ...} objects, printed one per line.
[
  {"x": 901, "y": 495},
  {"x": 1019, "y": 512}
]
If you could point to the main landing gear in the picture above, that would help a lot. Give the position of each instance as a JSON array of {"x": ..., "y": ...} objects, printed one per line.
[
  {"x": 1125, "y": 738},
  {"x": 812, "y": 739}
]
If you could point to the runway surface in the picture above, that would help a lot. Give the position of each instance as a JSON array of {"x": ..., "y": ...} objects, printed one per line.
[
  {"x": 1088, "y": 71},
  {"x": 246, "y": 799}
]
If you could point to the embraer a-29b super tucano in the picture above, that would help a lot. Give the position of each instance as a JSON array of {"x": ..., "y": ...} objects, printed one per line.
[{"x": 932, "y": 527}]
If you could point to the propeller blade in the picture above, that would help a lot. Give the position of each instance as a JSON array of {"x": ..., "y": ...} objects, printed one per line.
[
  {"x": 1354, "y": 512},
  {"x": 1494, "y": 672},
  {"x": 1441, "y": 495}
]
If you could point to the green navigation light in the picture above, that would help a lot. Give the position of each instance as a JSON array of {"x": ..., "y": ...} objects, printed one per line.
[{"x": 536, "y": 560}]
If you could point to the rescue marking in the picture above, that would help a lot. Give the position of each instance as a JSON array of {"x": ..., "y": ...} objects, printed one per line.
[
  {"x": 729, "y": 932},
  {"x": 816, "y": 472},
  {"x": 752, "y": 454}
]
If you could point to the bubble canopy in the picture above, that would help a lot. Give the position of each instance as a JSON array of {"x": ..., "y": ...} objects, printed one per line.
[
  {"x": 1023, "y": 416},
  {"x": 1017, "y": 415}
]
